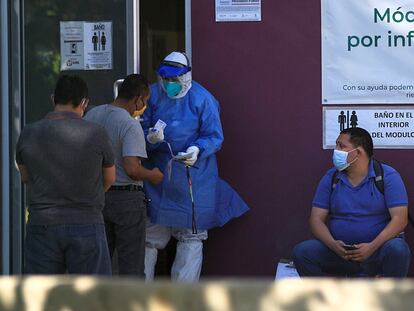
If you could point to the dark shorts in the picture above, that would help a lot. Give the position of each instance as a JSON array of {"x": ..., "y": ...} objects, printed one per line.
[{"x": 76, "y": 249}]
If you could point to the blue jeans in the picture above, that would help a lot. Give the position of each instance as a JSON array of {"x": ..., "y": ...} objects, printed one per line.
[
  {"x": 76, "y": 249},
  {"x": 313, "y": 258}
]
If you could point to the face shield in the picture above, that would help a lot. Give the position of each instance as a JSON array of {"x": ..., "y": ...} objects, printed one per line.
[
  {"x": 176, "y": 87},
  {"x": 174, "y": 75}
]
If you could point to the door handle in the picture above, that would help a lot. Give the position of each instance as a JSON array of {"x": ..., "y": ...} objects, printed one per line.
[{"x": 117, "y": 83}]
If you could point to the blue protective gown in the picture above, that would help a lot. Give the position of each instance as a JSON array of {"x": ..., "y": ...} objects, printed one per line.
[{"x": 191, "y": 121}]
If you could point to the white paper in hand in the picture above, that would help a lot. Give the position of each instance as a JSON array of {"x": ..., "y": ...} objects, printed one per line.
[
  {"x": 159, "y": 126},
  {"x": 182, "y": 156}
]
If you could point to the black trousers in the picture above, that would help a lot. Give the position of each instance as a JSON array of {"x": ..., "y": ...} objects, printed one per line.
[{"x": 125, "y": 216}]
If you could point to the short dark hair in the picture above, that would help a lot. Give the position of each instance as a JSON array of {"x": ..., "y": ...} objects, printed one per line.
[
  {"x": 133, "y": 85},
  {"x": 360, "y": 138},
  {"x": 70, "y": 90}
]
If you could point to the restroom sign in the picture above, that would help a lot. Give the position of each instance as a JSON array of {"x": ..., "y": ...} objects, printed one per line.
[
  {"x": 86, "y": 45},
  {"x": 390, "y": 128},
  {"x": 98, "y": 45}
]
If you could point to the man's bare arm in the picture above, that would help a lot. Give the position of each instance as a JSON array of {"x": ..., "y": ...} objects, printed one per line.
[
  {"x": 397, "y": 224},
  {"x": 317, "y": 222},
  {"x": 109, "y": 176},
  {"x": 24, "y": 174},
  {"x": 134, "y": 169}
]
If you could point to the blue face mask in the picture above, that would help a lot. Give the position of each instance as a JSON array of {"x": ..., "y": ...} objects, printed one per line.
[
  {"x": 172, "y": 88},
  {"x": 340, "y": 161}
]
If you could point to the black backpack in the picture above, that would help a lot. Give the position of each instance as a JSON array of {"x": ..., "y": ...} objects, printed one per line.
[{"x": 379, "y": 181}]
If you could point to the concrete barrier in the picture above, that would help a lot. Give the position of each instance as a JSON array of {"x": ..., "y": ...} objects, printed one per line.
[{"x": 41, "y": 293}]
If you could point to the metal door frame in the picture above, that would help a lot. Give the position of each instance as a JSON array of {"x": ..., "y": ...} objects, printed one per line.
[
  {"x": 4, "y": 92},
  {"x": 132, "y": 46},
  {"x": 12, "y": 218},
  {"x": 12, "y": 103}
]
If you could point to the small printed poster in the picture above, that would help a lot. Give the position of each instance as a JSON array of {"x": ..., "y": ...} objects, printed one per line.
[
  {"x": 238, "y": 10},
  {"x": 86, "y": 45},
  {"x": 71, "y": 46}
]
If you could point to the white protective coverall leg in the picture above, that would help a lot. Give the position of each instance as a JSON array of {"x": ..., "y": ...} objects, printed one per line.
[{"x": 189, "y": 256}]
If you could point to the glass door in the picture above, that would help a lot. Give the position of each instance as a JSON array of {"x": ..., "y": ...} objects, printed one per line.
[
  {"x": 162, "y": 29},
  {"x": 143, "y": 33},
  {"x": 43, "y": 49}
]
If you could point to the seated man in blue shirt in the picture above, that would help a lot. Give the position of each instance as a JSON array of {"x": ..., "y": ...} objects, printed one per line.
[{"x": 358, "y": 229}]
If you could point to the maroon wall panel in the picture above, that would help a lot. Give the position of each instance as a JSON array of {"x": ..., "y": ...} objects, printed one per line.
[{"x": 267, "y": 77}]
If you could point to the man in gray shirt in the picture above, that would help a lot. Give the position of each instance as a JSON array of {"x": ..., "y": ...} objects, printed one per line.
[
  {"x": 125, "y": 205},
  {"x": 67, "y": 164}
]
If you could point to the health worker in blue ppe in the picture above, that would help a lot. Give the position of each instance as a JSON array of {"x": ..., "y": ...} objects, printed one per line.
[{"x": 183, "y": 119}]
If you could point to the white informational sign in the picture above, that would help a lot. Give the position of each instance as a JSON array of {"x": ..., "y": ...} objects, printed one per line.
[
  {"x": 86, "y": 45},
  {"x": 238, "y": 10},
  {"x": 390, "y": 127},
  {"x": 367, "y": 51},
  {"x": 98, "y": 45},
  {"x": 285, "y": 270},
  {"x": 71, "y": 46}
]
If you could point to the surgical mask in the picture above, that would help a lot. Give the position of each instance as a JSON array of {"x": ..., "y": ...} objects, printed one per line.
[
  {"x": 185, "y": 80},
  {"x": 340, "y": 157},
  {"x": 137, "y": 113},
  {"x": 172, "y": 88}
]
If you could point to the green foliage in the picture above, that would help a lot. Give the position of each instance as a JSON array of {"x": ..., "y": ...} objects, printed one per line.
[{"x": 42, "y": 44}]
